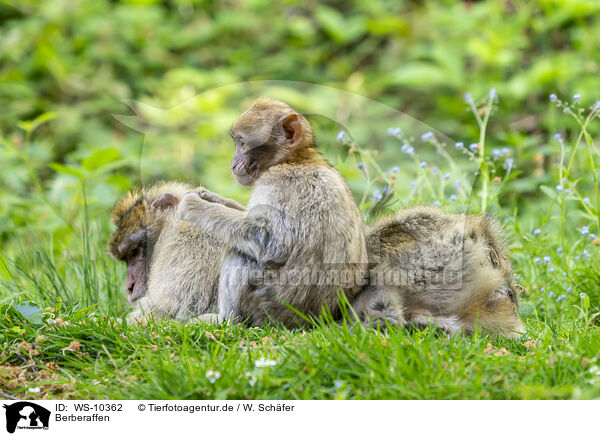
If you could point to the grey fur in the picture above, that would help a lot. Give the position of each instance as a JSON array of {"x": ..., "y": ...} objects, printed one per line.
[
  {"x": 182, "y": 263},
  {"x": 185, "y": 263},
  {"x": 301, "y": 216},
  {"x": 455, "y": 273}
]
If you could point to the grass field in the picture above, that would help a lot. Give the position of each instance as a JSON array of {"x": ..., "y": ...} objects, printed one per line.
[{"x": 85, "y": 355}]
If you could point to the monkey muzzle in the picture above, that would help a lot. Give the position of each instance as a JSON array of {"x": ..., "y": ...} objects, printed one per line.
[{"x": 245, "y": 172}]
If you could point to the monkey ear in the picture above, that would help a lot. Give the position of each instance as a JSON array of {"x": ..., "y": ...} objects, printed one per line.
[
  {"x": 292, "y": 129},
  {"x": 165, "y": 201},
  {"x": 494, "y": 258}
]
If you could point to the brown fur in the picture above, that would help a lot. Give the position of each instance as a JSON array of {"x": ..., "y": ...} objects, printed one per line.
[{"x": 456, "y": 273}]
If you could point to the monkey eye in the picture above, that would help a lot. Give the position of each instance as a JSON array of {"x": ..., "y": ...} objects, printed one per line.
[
  {"x": 134, "y": 251},
  {"x": 241, "y": 141}
]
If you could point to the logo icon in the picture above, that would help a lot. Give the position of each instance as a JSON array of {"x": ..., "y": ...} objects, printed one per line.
[{"x": 26, "y": 415}]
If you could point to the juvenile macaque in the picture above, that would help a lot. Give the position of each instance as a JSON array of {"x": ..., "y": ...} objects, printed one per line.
[
  {"x": 300, "y": 242},
  {"x": 451, "y": 271},
  {"x": 172, "y": 268}
]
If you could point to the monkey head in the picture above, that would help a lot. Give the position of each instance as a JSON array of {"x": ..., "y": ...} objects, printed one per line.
[
  {"x": 268, "y": 133},
  {"x": 500, "y": 312},
  {"x": 498, "y": 308},
  {"x": 139, "y": 217}
]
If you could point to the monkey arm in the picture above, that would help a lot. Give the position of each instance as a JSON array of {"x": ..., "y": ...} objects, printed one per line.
[{"x": 253, "y": 233}]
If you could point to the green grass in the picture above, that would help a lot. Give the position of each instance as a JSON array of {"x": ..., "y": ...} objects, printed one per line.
[
  {"x": 60, "y": 347},
  {"x": 165, "y": 360}
]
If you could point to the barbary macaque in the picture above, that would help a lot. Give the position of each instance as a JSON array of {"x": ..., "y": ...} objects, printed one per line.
[
  {"x": 450, "y": 271},
  {"x": 300, "y": 242},
  {"x": 172, "y": 268},
  {"x": 453, "y": 269}
]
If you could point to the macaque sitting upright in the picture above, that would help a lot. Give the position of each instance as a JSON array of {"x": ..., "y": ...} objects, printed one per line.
[{"x": 300, "y": 242}]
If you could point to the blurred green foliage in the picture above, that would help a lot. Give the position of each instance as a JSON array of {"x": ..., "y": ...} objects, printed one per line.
[{"x": 66, "y": 66}]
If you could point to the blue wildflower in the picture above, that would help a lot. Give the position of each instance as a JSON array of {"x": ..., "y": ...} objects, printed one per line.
[
  {"x": 377, "y": 195},
  {"x": 437, "y": 203},
  {"x": 341, "y": 136},
  {"x": 426, "y": 136},
  {"x": 363, "y": 168},
  {"x": 492, "y": 94},
  {"x": 508, "y": 163},
  {"x": 586, "y": 200},
  {"x": 410, "y": 150},
  {"x": 592, "y": 236},
  {"x": 551, "y": 269},
  {"x": 394, "y": 131},
  {"x": 395, "y": 169},
  {"x": 446, "y": 176},
  {"x": 547, "y": 259},
  {"x": 570, "y": 288},
  {"x": 453, "y": 197},
  {"x": 413, "y": 184},
  {"x": 560, "y": 188},
  {"x": 576, "y": 98},
  {"x": 558, "y": 137},
  {"x": 536, "y": 232},
  {"x": 585, "y": 230},
  {"x": 561, "y": 298},
  {"x": 537, "y": 259},
  {"x": 585, "y": 254},
  {"x": 559, "y": 250},
  {"x": 473, "y": 146},
  {"x": 423, "y": 164},
  {"x": 404, "y": 147},
  {"x": 468, "y": 98},
  {"x": 496, "y": 152},
  {"x": 553, "y": 97},
  {"x": 459, "y": 145},
  {"x": 551, "y": 294}
]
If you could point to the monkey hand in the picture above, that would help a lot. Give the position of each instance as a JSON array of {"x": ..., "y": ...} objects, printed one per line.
[
  {"x": 191, "y": 206},
  {"x": 211, "y": 197}
]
